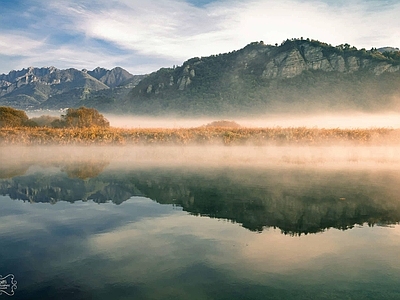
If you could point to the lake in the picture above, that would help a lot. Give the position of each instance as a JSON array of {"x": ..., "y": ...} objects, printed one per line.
[{"x": 200, "y": 223}]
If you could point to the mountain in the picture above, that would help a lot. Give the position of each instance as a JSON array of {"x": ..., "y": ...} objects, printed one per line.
[
  {"x": 54, "y": 88},
  {"x": 103, "y": 100},
  {"x": 296, "y": 76},
  {"x": 111, "y": 78}
]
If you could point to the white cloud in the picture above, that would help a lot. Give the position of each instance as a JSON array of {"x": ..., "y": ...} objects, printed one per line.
[
  {"x": 75, "y": 57},
  {"x": 165, "y": 32},
  {"x": 178, "y": 30},
  {"x": 17, "y": 44}
]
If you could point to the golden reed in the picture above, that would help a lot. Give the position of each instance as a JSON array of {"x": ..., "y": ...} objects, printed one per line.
[{"x": 196, "y": 136}]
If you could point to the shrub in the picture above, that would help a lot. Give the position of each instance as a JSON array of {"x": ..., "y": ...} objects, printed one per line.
[
  {"x": 82, "y": 117},
  {"x": 10, "y": 117},
  {"x": 223, "y": 123}
]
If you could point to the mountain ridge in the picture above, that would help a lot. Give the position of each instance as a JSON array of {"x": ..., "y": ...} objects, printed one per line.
[
  {"x": 299, "y": 75},
  {"x": 31, "y": 87}
]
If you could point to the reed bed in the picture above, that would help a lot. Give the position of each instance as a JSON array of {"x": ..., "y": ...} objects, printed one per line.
[{"x": 199, "y": 135}]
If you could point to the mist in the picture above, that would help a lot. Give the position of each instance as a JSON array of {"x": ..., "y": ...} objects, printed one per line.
[
  {"x": 195, "y": 157},
  {"x": 342, "y": 120}
]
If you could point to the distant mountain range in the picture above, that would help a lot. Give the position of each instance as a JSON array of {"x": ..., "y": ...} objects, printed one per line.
[
  {"x": 299, "y": 75},
  {"x": 34, "y": 88}
]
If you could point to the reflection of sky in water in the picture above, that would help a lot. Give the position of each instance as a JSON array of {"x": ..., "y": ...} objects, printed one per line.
[
  {"x": 144, "y": 250},
  {"x": 141, "y": 249}
]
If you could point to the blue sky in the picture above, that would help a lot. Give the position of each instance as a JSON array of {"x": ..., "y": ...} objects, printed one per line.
[{"x": 144, "y": 35}]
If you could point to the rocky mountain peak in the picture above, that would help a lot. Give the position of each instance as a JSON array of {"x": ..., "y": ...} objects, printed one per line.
[
  {"x": 111, "y": 78},
  {"x": 36, "y": 85}
]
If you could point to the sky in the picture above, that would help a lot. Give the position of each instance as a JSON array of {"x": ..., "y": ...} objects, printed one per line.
[{"x": 142, "y": 36}]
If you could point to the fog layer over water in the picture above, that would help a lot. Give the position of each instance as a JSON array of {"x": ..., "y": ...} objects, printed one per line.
[{"x": 209, "y": 156}]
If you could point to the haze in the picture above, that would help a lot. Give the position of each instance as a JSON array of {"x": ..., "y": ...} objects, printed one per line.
[
  {"x": 343, "y": 120},
  {"x": 194, "y": 157}
]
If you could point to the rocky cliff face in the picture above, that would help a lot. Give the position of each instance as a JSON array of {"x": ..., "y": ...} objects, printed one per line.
[
  {"x": 306, "y": 56},
  {"x": 288, "y": 60}
]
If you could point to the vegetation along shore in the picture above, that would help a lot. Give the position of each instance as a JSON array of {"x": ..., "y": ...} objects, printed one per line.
[{"x": 85, "y": 126}]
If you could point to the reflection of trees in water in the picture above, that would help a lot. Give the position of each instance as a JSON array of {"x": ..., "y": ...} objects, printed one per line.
[
  {"x": 295, "y": 201},
  {"x": 85, "y": 169},
  {"x": 12, "y": 171},
  {"x": 80, "y": 162}
]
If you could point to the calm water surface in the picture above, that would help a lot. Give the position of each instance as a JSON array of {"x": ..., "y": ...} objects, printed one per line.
[{"x": 98, "y": 225}]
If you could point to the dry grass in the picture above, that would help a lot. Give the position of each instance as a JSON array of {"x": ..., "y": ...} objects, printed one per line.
[{"x": 200, "y": 135}]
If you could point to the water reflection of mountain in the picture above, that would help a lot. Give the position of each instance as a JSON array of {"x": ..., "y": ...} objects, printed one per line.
[
  {"x": 42, "y": 188},
  {"x": 294, "y": 200}
]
